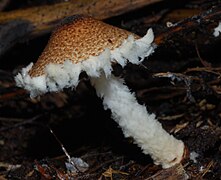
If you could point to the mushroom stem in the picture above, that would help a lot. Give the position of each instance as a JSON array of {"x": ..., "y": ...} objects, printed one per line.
[{"x": 136, "y": 122}]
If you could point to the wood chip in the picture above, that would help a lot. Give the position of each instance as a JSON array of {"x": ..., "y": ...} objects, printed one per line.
[{"x": 179, "y": 127}]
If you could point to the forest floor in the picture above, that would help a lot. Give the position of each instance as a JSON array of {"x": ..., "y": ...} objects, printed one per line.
[{"x": 188, "y": 105}]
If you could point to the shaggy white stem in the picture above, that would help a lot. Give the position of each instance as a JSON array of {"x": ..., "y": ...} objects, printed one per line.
[{"x": 136, "y": 122}]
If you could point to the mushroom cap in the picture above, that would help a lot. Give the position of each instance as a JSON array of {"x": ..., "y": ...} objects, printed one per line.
[
  {"x": 81, "y": 43},
  {"x": 76, "y": 39}
]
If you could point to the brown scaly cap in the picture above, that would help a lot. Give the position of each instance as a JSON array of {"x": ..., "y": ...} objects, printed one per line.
[{"x": 77, "y": 38}]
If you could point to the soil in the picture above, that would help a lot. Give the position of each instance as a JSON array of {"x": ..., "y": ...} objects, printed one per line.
[{"x": 188, "y": 106}]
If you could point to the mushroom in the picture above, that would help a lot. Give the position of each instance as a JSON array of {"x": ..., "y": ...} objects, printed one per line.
[{"x": 81, "y": 43}]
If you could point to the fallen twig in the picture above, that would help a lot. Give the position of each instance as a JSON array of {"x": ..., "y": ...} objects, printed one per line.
[
  {"x": 180, "y": 77},
  {"x": 28, "y": 121},
  {"x": 206, "y": 17},
  {"x": 23, "y": 24},
  {"x": 13, "y": 94},
  {"x": 206, "y": 170},
  {"x": 204, "y": 62}
]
